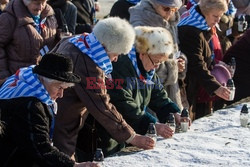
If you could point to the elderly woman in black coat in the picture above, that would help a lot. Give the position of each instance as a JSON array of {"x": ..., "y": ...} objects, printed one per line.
[
  {"x": 195, "y": 32},
  {"x": 28, "y": 107}
]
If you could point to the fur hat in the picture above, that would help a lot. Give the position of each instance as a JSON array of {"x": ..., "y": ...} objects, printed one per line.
[
  {"x": 153, "y": 40},
  {"x": 58, "y": 67},
  {"x": 116, "y": 34},
  {"x": 169, "y": 3}
]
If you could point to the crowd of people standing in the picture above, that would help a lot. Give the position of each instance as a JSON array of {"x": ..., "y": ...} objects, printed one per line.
[{"x": 78, "y": 83}]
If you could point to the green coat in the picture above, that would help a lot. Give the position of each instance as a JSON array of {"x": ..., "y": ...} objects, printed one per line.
[{"x": 133, "y": 97}]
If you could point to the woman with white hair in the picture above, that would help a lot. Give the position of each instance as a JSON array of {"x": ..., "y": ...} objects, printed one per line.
[
  {"x": 195, "y": 36},
  {"x": 28, "y": 108},
  {"x": 92, "y": 55},
  {"x": 141, "y": 87},
  {"x": 27, "y": 31}
]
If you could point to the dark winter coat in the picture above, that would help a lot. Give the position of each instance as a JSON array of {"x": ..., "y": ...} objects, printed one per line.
[
  {"x": 85, "y": 15},
  {"x": 20, "y": 42},
  {"x": 132, "y": 97},
  {"x": 194, "y": 44},
  {"x": 68, "y": 13},
  {"x": 26, "y": 141},
  {"x": 241, "y": 50},
  {"x": 85, "y": 98}
]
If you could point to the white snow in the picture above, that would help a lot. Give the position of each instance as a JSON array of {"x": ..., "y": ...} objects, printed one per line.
[{"x": 216, "y": 140}]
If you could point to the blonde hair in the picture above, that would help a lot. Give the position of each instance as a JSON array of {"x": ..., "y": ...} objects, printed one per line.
[{"x": 208, "y": 5}]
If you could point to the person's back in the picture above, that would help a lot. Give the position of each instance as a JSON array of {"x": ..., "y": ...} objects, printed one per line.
[
  {"x": 68, "y": 12},
  {"x": 85, "y": 15},
  {"x": 120, "y": 8},
  {"x": 15, "y": 143}
]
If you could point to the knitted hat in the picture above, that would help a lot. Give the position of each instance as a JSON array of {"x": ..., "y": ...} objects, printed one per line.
[
  {"x": 153, "y": 40},
  {"x": 169, "y": 3},
  {"x": 115, "y": 34},
  {"x": 58, "y": 67}
]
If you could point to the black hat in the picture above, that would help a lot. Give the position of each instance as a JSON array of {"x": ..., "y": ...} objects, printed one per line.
[{"x": 58, "y": 67}]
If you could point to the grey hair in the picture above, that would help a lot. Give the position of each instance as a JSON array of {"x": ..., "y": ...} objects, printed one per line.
[
  {"x": 208, "y": 5},
  {"x": 49, "y": 81}
]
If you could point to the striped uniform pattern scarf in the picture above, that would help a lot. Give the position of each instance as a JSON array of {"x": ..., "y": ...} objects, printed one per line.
[
  {"x": 132, "y": 57},
  {"x": 193, "y": 18},
  {"x": 134, "y": 1},
  {"x": 26, "y": 84},
  {"x": 88, "y": 44}
]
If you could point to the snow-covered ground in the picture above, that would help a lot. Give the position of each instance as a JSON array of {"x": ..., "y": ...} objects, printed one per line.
[{"x": 217, "y": 140}]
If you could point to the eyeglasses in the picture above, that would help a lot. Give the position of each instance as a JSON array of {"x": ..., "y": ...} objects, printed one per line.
[
  {"x": 168, "y": 9},
  {"x": 154, "y": 63}
]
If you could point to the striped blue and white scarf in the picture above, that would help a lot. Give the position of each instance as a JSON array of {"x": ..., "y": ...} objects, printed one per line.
[
  {"x": 193, "y": 18},
  {"x": 89, "y": 45},
  {"x": 26, "y": 84},
  {"x": 132, "y": 57},
  {"x": 134, "y": 1}
]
